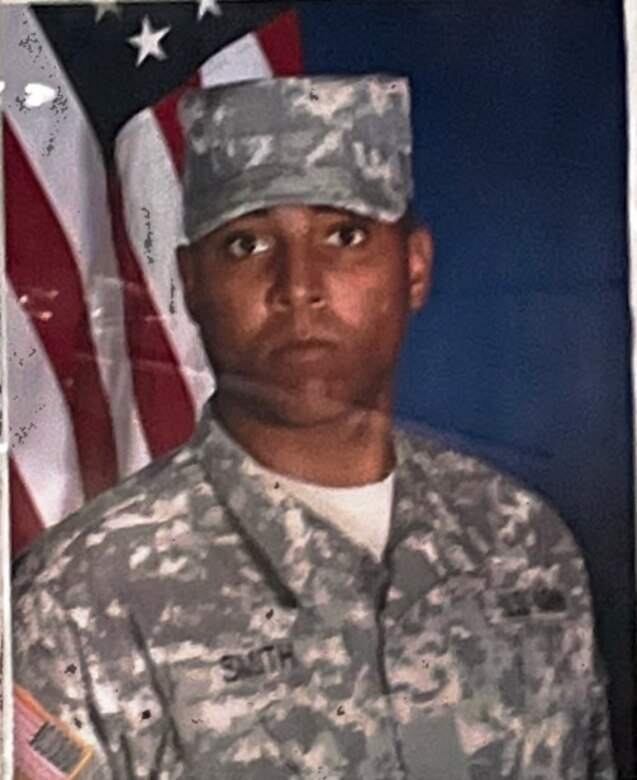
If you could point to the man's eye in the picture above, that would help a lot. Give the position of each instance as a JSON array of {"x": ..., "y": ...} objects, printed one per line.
[
  {"x": 247, "y": 245},
  {"x": 347, "y": 235}
]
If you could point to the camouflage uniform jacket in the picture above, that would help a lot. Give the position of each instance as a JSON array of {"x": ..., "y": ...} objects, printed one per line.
[{"x": 194, "y": 623}]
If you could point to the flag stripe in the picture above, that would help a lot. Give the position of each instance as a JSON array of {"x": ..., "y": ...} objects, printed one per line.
[
  {"x": 166, "y": 407},
  {"x": 116, "y": 372},
  {"x": 54, "y": 299},
  {"x": 167, "y": 116},
  {"x": 31, "y": 764},
  {"x": 27, "y": 523},
  {"x": 153, "y": 226},
  {"x": 64, "y": 155},
  {"x": 42, "y": 436},
  {"x": 281, "y": 43},
  {"x": 239, "y": 61}
]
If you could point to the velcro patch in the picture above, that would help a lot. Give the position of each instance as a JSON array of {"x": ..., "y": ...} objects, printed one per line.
[{"x": 45, "y": 747}]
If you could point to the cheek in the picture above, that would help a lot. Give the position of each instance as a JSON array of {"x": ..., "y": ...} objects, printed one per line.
[
  {"x": 359, "y": 302},
  {"x": 229, "y": 318}
]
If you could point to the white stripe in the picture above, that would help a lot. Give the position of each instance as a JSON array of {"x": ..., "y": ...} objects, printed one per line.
[
  {"x": 153, "y": 204},
  {"x": 42, "y": 440},
  {"x": 65, "y": 157},
  {"x": 152, "y": 215},
  {"x": 244, "y": 59}
]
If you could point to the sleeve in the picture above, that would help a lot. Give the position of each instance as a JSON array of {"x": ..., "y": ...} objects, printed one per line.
[
  {"x": 559, "y": 554},
  {"x": 87, "y": 702},
  {"x": 600, "y": 754},
  {"x": 57, "y": 729}
]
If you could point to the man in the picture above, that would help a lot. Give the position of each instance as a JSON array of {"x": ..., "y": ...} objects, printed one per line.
[{"x": 302, "y": 591}]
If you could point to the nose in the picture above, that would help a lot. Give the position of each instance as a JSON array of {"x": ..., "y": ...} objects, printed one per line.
[{"x": 298, "y": 279}]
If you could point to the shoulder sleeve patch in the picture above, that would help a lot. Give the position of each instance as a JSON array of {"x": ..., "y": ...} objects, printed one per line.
[{"x": 45, "y": 747}]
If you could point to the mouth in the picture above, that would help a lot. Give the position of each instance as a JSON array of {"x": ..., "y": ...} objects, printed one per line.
[{"x": 304, "y": 350}]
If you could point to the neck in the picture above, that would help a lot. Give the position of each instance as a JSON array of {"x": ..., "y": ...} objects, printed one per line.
[{"x": 354, "y": 449}]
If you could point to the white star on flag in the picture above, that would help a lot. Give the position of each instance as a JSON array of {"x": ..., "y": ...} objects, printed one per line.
[
  {"x": 208, "y": 6},
  {"x": 104, "y": 7},
  {"x": 147, "y": 41}
]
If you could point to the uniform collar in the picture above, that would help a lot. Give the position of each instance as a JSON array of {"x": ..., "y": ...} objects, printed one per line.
[
  {"x": 431, "y": 538},
  {"x": 307, "y": 556}
]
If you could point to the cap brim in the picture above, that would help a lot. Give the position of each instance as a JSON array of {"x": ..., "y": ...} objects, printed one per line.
[{"x": 268, "y": 186}]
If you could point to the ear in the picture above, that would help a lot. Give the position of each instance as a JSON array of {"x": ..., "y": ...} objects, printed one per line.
[
  {"x": 186, "y": 265},
  {"x": 420, "y": 249}
]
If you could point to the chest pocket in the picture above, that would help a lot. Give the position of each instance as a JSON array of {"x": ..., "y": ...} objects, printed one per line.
[
  {"x": 551, "y": 646},
  {"x": 461, "y": 668},
  {"x": 516, "y": 653},
  {"x": 489, "y": 651},
  {"x": 535, "y": 703},
  {"x": 512, "y": 662}
]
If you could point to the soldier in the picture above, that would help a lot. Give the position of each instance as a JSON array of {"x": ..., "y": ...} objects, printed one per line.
[{"x": 302, "y": 590}]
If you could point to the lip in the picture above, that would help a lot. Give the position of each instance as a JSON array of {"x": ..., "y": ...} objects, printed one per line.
[{"x": 303, "y": 350}]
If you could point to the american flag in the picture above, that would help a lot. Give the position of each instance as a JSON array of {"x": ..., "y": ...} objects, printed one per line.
[{"x": 105, "y": 369}]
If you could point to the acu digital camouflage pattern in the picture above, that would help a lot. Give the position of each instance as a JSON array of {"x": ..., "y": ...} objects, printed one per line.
[
  {"x": 194, "y": 623},
  {"x": 341, "y": 142}
]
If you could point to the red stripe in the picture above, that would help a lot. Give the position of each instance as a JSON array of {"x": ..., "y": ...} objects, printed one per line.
[
  {"x": 25, "y": 520},
  {"x": 165, "y": 405},
  {"x": 168, "y": 118},
  {"x": 42, "y": 269},
  {"x": 281, "y": 44}
]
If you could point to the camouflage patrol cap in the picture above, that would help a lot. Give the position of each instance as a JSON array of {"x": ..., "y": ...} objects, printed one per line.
[{"x": 320, "y": 141}]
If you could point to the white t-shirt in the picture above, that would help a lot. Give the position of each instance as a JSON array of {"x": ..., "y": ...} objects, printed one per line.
[{"x": 363, "y": 512}]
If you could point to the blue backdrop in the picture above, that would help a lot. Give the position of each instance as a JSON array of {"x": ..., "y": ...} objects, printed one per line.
[{"x": 522, "y": 354}]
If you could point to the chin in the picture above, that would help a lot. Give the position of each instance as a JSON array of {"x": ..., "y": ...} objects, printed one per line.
[
  {"x": 304, "y": 403},
  {"x": 297, "y": 414},
  {"x": 303, "y": 406}
]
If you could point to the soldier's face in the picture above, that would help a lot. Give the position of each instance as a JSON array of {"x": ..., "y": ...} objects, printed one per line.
[{"x": 303, "y": 310}]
